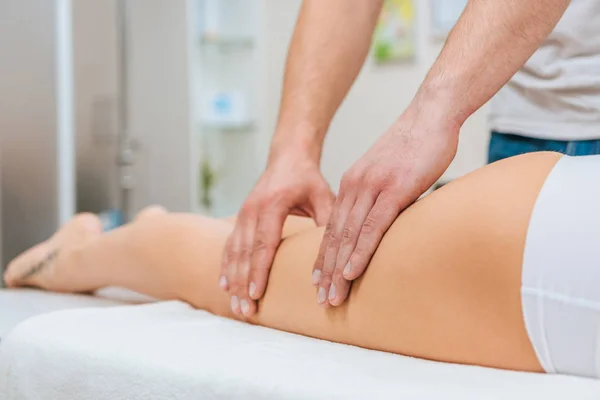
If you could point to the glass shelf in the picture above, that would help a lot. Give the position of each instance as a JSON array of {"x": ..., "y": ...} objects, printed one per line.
[
  {"x": 229, "y": 128},
  {"x": 227, "y": 42}
]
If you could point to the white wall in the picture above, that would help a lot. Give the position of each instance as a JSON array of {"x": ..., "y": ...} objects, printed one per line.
[{"x": 378, "y": 97}]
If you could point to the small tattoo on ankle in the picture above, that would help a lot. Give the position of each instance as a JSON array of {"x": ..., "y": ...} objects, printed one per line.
[{"x": 37, "y": 268}]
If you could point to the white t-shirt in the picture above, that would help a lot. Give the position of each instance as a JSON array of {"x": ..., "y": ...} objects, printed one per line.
[{"x": 556, "y": 95}]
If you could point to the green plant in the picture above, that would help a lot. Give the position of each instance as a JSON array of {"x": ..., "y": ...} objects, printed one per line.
[{"x": 207, "y": 183}]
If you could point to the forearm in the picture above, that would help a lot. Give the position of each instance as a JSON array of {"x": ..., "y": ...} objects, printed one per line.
[
  {"x": 327, "y": 51},
  {"x": 490, "y": 42}
]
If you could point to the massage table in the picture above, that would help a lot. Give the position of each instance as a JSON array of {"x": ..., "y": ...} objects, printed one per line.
[{"x": 102, "y": 349}]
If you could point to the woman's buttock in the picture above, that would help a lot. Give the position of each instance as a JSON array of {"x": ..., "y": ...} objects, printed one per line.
[
  {"x": 445, "y": 282},
  {"x": 451, "y": 269}
]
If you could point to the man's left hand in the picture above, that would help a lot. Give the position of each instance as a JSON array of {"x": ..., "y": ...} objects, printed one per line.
[{"x": 400, "y": 167}]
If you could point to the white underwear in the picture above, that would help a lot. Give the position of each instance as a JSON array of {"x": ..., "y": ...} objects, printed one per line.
[{"x": 561, "y": 269}]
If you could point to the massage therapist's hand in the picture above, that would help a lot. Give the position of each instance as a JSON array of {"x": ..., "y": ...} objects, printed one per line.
[
  {"x": 401, "y": 165},
  {"x": 291, "y": 184}
]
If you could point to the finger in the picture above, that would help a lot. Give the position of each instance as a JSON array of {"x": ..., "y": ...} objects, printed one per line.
[
  {"x": 232, "y": 255},
  {"x": 341, "y": 215},
  {"x": 248, "y": 230},
  {"x": 358, "y": 214},
  {"x": 231, "y": 272},
  {"x": 266, "y": 241},
  {"x": 232, "y": 249},
  {"x": 318, "y": 266},
  {"x": 338, "y": 290},
  {"x": 228, "y": 256},
  {"x": 378, "y": 221}
]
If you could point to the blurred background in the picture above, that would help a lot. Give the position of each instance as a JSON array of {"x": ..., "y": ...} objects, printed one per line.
[{"x": 108, "y": 106}]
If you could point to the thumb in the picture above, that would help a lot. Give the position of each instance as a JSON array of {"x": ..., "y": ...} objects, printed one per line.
[{"x": 322, "y": 204}]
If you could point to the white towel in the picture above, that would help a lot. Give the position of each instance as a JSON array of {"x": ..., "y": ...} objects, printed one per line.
[
  {"x": 171, "y": 351},
  {"x": 17, "y": 305}
]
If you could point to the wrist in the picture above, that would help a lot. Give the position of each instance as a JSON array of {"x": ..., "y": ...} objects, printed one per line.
[
  {"x": 438, "y": 103},
  {"x": 297, "y": 140}
]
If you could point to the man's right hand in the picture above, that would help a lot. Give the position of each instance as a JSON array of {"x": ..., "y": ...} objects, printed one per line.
[{"x": 291, "y": 185}]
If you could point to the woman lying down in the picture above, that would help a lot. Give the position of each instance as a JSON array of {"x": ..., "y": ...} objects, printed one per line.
[{"x": 500, "y": 268}]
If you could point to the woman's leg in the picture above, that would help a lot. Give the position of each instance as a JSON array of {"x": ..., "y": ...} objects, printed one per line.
[
  {"x": 444, "y": 284},
  {"x": 46, "y": 267}
]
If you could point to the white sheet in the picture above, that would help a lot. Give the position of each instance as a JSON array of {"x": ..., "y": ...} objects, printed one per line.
[
  {"x": 170, "y": 351},
  {"x": 17, "y": 305}
]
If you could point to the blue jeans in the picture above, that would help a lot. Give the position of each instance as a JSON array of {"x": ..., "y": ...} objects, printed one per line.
[{"x": 508, "y": 145}]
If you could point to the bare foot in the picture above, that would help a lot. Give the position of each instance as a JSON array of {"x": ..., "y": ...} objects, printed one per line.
[{"x": 43, "y": 265}]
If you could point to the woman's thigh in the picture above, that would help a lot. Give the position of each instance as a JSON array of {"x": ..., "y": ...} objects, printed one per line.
[{"x": 445, "y": 282}]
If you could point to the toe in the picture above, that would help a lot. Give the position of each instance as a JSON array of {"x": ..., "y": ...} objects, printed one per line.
[
  {"x": 87, "y": 222},
  {"x": 151, "y": 211},
  {"x": 9, "y": 276}
]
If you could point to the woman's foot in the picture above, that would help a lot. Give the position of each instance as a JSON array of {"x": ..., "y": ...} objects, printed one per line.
[
  {"x": 151, "y": 212},
  {"x": 44, "y": 265}
]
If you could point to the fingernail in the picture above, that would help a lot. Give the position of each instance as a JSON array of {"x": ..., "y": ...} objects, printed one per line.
[
  {"x": 252, "y": 289},
  {"x": 332, "y": 292},
  {"x": 223, "y": 282},
  {"x": 235, "y": 304},
  {"x": 322, "y": 295},
  {"x": 245, "y": 306},
  {"x": 316, "y": 276},
  {"x": 347, "y": 270}
]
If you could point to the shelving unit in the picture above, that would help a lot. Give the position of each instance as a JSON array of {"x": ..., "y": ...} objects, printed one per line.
[
  {"x": 228, "y": 96},
  {"x": 227, "y": 42},
  {"x": 230, "y": 128}
]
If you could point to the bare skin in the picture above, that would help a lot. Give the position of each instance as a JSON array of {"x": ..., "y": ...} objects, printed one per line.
[{"x": 444, "y": 284}]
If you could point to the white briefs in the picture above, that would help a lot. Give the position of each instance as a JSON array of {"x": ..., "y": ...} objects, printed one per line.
[{"x": 561, "y": 269}]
